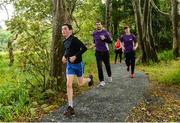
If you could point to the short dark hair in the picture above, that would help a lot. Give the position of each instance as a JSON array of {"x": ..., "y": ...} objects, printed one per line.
[
  {"x": 99, "y": 21},
  {"x": 68, "y": 25},
  {"x": 125, "y": 27}
]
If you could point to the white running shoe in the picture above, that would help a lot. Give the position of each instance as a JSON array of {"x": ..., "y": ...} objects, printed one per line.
[
  {"x": 109, "y": 79},
  {"x": 102, "y": 83}
]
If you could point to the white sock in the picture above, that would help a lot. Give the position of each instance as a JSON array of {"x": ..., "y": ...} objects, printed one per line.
[
  {"x": 110, "y": 79},
  {"x": 71, "y": 103}
]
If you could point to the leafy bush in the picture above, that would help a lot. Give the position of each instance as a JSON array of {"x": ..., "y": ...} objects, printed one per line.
[
  {"x": 14, "y": 100},
  {"x": 166, "y": 55}
]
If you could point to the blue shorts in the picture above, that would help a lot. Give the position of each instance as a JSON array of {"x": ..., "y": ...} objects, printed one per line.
[{"x": 75, "y": 69}]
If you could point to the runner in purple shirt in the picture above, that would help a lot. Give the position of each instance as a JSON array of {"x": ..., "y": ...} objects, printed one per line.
[
  {"x": 129, "y": 45},
  {"x": 101, "y": 40}
]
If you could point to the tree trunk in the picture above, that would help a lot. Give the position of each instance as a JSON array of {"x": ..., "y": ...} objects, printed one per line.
[
  {"x": 56, "y": 71},
  {"x": 11, "y": 49},
  {"x": 144, "y": 29},
  {"x": 152, "y": 39},
  {"x": 70, "y": 7},
  {"x": 150, "y": 53},
  {"x": 11, "y": 54},
  {"x": 176, "y": 26},
  {"x": 62, "y": 13},
  {"x": 116, "y": 25},
  {"x": 108, "y": 15},
  {"x": 138, "y": 18}
]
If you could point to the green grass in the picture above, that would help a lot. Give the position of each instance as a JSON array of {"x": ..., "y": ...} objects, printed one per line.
[
  {"x": 14, "y": 100},
  {"x": 14, "y": 95},
  {"x": 163, "y": 72}
]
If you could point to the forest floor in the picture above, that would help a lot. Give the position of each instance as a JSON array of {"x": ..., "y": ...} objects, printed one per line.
[{"x": 161, "y": 103}]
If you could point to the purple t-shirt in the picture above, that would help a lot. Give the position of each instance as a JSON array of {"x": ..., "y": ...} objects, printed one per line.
[
  {"x": 128, "y": 41},
  {"x": 102, "y": 45}
]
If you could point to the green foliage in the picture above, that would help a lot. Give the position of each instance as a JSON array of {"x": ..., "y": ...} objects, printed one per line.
[
  {"x": 17, "y": 95},
  {"x": 166, "y": 56},
  {"x": 122, "y": 14},
  {"x": 35, "y": 57},
  {"x": 14, "y": 99},
  {"x": 32, "y": 23},
  {"x": 16, "y": 90},
  {"x": 162, "y": 34},
  {"x": 165, "y": 5},
  {"x": 33, "y": 9},
  {"x": 86, "y": 19},
  {"x": 30, "y": 74}
]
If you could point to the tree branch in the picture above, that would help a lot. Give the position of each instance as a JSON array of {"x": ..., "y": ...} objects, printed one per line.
[
  {"x": 157, "y": 9},
  {"x": 78, "y": 26}
]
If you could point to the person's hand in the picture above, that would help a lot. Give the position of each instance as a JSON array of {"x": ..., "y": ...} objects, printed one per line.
[
  {"x": 72, "y": 59},
  {"x": 94, "y": 45},
  {"x": 123, "y": 49},
  {"x": 64, "y": 60},
  {"x": 134, "y": 48},
  {"x": 102, "y": 37}
]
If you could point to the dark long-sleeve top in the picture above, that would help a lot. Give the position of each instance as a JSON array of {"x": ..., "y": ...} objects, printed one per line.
[{"x": 74, "y": 47}]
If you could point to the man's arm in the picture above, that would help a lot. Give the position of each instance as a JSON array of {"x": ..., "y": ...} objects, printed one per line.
[
  {"x": 83, "y": 48},
  {"x": 64, "y": 60},
  {"x": 108, "y": 38},
  {"x": 135, "y": 43},
  {"x": 122, "y": 43}
]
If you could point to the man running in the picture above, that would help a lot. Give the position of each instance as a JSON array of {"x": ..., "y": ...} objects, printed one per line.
[
  {"x": 101, "y": 40},
  {"x": 73, "y": 50},
  {"x": 129, "y": 46}
]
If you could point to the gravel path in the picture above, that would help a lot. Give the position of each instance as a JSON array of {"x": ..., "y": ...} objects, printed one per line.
[{"x": 110, "y": 103}]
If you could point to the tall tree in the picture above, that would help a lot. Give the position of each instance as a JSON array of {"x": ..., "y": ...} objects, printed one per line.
[
  {"x": 62, "y": 13},
  {"x": 175, "y": 12},
  {"x": 138, "y": 19},
  {"x": 108, "y": 15},
  {"x": 59, "y": 18},
  {"x": 11, "y": 49},
  {"x": 175, "y": 18},
  {"x": 146, "y": 39}
]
